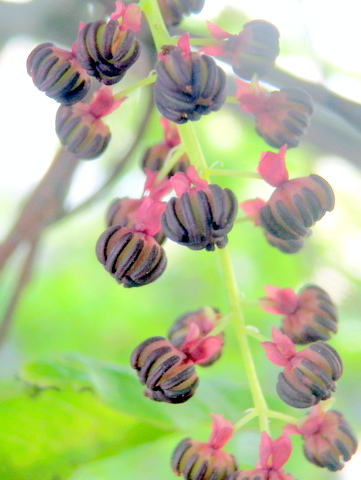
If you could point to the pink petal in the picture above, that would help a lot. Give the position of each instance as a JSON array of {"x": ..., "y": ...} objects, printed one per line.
[
  {"x": 274, "y": 355},
  {"x": 290, "y": 429},
  {"x": 103, "y": 102},
  {"x": 281, "y": 300},
  {"x": 272, "y": 168},
  {"x": 183, "y": 44},
  {"x": 284, "y": 344},
  {"x": 282, "y": 448},
  {"x": 147, "y": 216},
  {"x": 119, "y": 11},
  {"x": 132, "y": 18},
  {"x": 156, "y": 191},
  {"x": 180, "y": 183},
  {"x": 170, "y": 132},
  {"x": 204, "y": 349},
  {"x": 217, "y": 32},
  {"x": 222, "y": 431},
  {"x": 251, "y": 208},
  {"x": 197, "y": 181},
  {"x": 265, "y": 450}
]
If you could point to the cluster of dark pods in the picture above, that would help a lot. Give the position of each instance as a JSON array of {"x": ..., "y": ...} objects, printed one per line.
[
  {"x": 103, "y": 51},
  {"x": 167, "y": 366}
]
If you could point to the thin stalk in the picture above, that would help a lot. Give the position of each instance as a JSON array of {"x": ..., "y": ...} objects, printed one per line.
[{"x": 142, "y": 83}]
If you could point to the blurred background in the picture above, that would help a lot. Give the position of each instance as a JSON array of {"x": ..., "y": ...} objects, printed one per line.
[{"x": 73, "y": 327}]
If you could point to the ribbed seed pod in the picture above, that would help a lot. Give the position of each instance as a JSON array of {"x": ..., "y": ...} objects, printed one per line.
[
  {"x": 132, "y": 258},
  {"x": 254, "y": 50},
  {"x": 118, "y": 214},
  {"x": 167, "y": 373},
  {"x": 206, "y": 319},
  {"x": 105, "y": 51},
  {"x": 199, "y": 461},
  {"x": 314, "y": 319},
  {"x": 310, "y": 376},
  {"x": 188, "y": 86},
  {"x": 201, "y": 219},
  {"x": 296, "y": 205},
  {"x": 332, "y": 443},
  {"x": 174, "y": 10},
  {"x": 285, "y": 246},
  {"x": 154, "y": 158},
  {"x": 81, "y": 133},
  {"x": 286, "y": 118},
  {"x": 58, "y": 73}
]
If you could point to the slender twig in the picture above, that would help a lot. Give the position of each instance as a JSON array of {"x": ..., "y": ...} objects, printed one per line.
[{"x": 23, "y": 280}]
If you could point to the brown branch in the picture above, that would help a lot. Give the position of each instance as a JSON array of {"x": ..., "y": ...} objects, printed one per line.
[{"x": 23, "y": 280}]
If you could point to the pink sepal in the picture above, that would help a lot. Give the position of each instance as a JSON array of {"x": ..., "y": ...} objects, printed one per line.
[
  {"x": 222, "y": 431},
  {"x": 214, "y": 50},
  {"x": 217, "y": 32},
  {"x": 200, "y": 349},
  {"x": 156, "y": 191},
  {"x": 147, "y": 216},
  {"x": 103, "y": 102},
  {"x": 250, "y": 96},
  {"x": 251, "y": 208},
  {"x": 184, "y": 45},
  {"x": 131, "y": 16},
  {"x": 281, "y": 300},
  {"x": 281, "y": 350},
  {"x": 272, "y": 167},
  {"x": 170, "y": 132},
  {"x": 181, "y": 182},
  {"x": 274, "y": 453}
]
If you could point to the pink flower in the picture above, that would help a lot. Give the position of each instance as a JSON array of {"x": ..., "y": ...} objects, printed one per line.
[
  {"x": 273, "y": 454},
  {"x": 129, "y": 16},
  {"x": 329, "y": 440},
  {"x": 272, "y": 167},
  {"x": 200, "y": 349},
  {"x": 206, "y": 460},
  {"x": 189, "y": 182}
]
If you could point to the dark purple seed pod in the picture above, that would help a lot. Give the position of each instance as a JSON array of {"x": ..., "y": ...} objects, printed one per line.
[
  {"x": 296, "y": 205},
  {"x": 201, "y": 219},
  {"x": 293, "y": 245},
  {"x": 206, "y": 319},
  {"x": 254, "y": 50},
  {"x": 315, "y": 317},
  {"x": 105, "y": 51},
  {"x": 286, "y": 117},
  {"x": 132, "y": 258},
  {"x": 174, "y": 10},
  {"x": 58, "y": 73},
  {"x": 188, "y": 85},
  {"x": 155, "y": 156},
  {"x": 81, "y": 133},
  {"x": 329, "y": 440},
  {"x": 200, "y": 461},
  {"x": 310, "y": 376},
  {"x": 167, "y": 372}
]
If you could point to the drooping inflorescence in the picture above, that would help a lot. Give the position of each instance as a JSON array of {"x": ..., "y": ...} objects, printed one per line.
[{"x": 181, "y": 204}]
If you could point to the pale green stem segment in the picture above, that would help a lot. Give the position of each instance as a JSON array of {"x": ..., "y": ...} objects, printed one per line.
[
  {"x": 193, "y": 149},
  {"x": 283, "y": 417},
  {"x": 244, "y": 420},
  {"x": 260, "y": 405},
  {"x": 172, "y": 158},
  {"x": 142, "y": 83},
  {"x": 232, "y": 173},
  {"x": 253, "y": 332}
]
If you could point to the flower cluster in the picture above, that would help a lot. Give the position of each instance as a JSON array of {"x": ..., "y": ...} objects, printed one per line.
[
  {"x": 104, "y": 51},
  {"x": 167, "y": 367},
  {"x": 178, "y": 203}
]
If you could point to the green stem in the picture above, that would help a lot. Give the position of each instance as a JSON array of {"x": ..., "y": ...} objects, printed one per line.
[
  {"x": 252, "y": 332},
  {"x": 283, "y": 417},
  {"x": 232, "y": 173},
  {"x": 241, "y": 331},
  {"x": 193, "y": 148},
  {"x": 244, "y": 420},
  {"x": 142, "y": 83},
  {"x": 172, "y": 158},
  {"x": 156, "y": 24}
]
